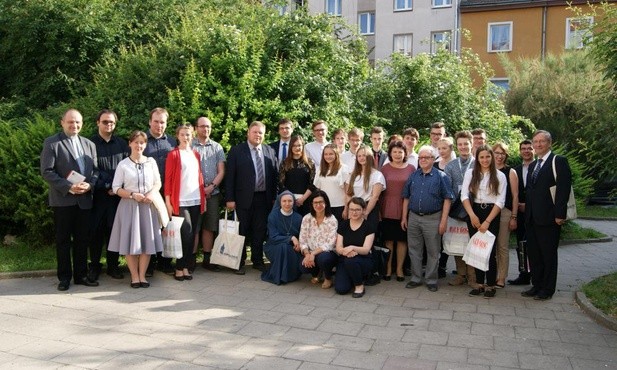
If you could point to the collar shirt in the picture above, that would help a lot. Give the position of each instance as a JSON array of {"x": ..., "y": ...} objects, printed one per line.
[
  {"x": 427, "y": 191},
  {"x": 483, "y": 195},
  {"x": 108, "y": 154},
  {"x": 158, "y": 149},
  {"x": 211, "y": 154}
]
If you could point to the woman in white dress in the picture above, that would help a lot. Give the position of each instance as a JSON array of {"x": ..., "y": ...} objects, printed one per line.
[
  {"x": 331, "y": 178},
  {"x": 136, "y": 232}
]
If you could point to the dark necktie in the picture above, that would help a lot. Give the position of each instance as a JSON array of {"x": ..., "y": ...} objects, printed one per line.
[
  {"x": 284, "y": 152},
  {"x": 536, "y": 171},
  {"x": 260, "y": 172}
]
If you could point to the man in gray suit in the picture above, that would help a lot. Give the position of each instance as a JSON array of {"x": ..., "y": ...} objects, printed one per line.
[{"x": 69, "y": 165}]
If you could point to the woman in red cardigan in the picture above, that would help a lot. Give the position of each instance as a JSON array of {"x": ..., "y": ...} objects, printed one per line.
[{"x": 184, "y": 195}]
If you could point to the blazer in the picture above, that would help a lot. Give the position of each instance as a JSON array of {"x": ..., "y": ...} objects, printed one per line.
[
  {"x": 382, "y": 158},
  {"x": 539, "y": 207},
  {"x": 58, "y": 160},
  {"x": 240, "y": 175}
]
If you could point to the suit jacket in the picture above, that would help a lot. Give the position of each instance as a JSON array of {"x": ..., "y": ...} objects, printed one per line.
[
  {"x": 539, "y": 207},
  {"x": 240, "y": 175},
  {"x": 382, "y": 158},
  {"x": 276, "y": 146},
  {"x": 58, "y": 160}
]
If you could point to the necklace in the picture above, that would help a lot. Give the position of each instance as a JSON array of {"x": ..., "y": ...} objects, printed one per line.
[{"x": 286, "y": 226}]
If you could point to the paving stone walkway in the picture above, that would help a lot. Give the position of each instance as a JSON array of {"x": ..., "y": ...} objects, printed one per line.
[{"x": 224, "y": 321}]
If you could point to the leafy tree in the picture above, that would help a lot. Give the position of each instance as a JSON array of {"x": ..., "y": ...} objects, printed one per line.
[
  {"x": 568, "y": 96},
  {"x": 415, "y": 92},
  {"x": 604, "y": 40}
]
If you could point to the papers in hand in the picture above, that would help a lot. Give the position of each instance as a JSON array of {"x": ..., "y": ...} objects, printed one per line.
[{"x": 75, "y": 177}]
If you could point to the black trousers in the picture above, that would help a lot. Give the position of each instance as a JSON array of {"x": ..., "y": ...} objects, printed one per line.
[
  {"x": 72, "y": 226},
  {"x": 188, "y": 230},
  {"x": 521, "y": 244},
  {"x": 542, "y": 243},
  {"x": 253, "y": 225},
  {"x": 491, "y": 274},
  {"x": 102, "y": 217}
]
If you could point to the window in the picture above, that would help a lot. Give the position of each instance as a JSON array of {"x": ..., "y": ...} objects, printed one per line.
[
  {"x": 442, "y": 3},
  {"x": 499, "y": 37},
  {"x": 577, "y": 31},
  {"x": 403, "y": 5},
  {"x": 440, "y": 40},
  {"x": 367, "y": 23},
  {"x": 333, "y": 7},
  {"x": 289, "y": 7},
  {"x": 402, "y": 44},
  {"x": 499, "y": 86}
]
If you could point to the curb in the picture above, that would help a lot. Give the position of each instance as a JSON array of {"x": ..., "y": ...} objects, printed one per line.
[
  {"x": 27, "y": 274},
  {"x": 598, "y": 218},
  {"x": 608, "y": 239},
  {"x": 596, "y": 314}
]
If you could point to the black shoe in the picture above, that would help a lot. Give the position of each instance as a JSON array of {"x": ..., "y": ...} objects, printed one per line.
[
  {"x": 531, "y": 292},
  {"x": 413, "y": 284},
  {"x": 135, "y": 285},
  {"x": 476, "y": 292},
  {"x": 115, "y": 273},
  {"x": 372, "y": 280},
  {"x": 64, "y": 285},
  {"x": 150, "y": 271},
  {"x": 432, "y": 287},
  {"x": 86, "y": 282},
  {"x": 240, "y": 271},
  {"x": 358, "y": 295},
  {"x": 188, "y": 277},
  {"x": 541, "y": 296},
  {"x": 400, "y": 278},
  {"x": 387, "y": 277},
  {"x": 179, "y": 277},
  {"x": 521, "y": 280},
  {"x": 259, "y": 266},
  {"x": 144, "y": 284},
  {"x": 441, "y": 273},
  {"x": 93, "y": 274}
]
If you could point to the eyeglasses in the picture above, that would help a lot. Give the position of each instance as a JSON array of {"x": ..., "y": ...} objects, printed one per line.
[
  {"x": 319, "y": 203},
  {"x": 499, "y": 154},
  {"x": 108, "y": 122},
  {"x": 355, "y": 209},
  {"x": 425, "y": 158},
  {"x": 436, "y": 133}
]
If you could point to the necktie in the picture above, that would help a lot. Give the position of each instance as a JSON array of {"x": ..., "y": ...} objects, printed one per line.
[
  {"x": 536, "y": 171},
  {"x": 284, "y": 151},
  {"x": 259, "y": 176},
  {"x": 376, "y": 159},
  {"x": 79, "y": 155}
]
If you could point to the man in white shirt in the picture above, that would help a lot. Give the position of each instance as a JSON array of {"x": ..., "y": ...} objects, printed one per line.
[
  {"x": 354, "y": 137},
  {"x": 314, "y": 149},
  {"x": 411, "y": 138},
  {"x": 281, "y": 146}
]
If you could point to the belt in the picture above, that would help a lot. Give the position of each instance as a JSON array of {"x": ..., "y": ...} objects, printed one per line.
[
  {"x": 484, "y": 205},
  {"x": 425, "y": 213}
]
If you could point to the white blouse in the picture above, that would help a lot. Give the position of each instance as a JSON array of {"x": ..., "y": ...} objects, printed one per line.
[
  {"x": 136, "y": 178},
  {"x": 483, "y": 195},
  {"x": 334, "y": 186},
  {"x": 358, "y": 185},
  {"x": 189, "y": 179}
]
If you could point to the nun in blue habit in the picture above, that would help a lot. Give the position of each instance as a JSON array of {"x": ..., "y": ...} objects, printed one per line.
[{"x": 283, "y": 248}]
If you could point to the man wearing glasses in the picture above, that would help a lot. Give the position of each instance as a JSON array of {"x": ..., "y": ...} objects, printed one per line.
[
  {"x": 426, "y": 203},
  {"x": 438, "y": 132},
  {"x": 110, "y": 150},
  {"x": 314, "y": 149}
]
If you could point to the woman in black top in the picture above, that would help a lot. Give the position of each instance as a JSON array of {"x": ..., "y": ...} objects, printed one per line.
[
  {"x": 297, "y": 173},
  {"x": 354, "y": 241}
]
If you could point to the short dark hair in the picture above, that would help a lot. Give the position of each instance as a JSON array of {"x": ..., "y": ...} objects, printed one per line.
[
  {"x": 284, "y": 121},
  {"x": 106, "y": 111},
  {"x": 318, "y": 122},
  {"x": 358, "y": 201},
  {"x": 525, "y": 142},
  {"x": 316, "y": 194},
  {"x": 397, "y": 144},
  {"x": 438, "y": 124},
  {"x": 411, "y": 132}
]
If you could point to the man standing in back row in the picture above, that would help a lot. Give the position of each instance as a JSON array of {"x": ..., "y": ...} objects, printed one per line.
[
  {"x": 69, "y": 165},
  {"x": 544, "y": 215}
]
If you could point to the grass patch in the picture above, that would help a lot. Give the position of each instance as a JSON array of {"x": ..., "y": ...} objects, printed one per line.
[
  {"x": 602, "y": 292},
  {"x": 598, "y": 211},
  {"x": 21, "y": 256},
  {"x": 573, "y": 231}
]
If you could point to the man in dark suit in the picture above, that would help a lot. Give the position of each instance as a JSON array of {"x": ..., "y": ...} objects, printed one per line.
[
  {"x": 69, "y": 165},
  {"x": 281, "y": 146},
  {"x": 526, "y": 152},
  {"x": 543, "y": 216},
  {"x": 379, "y": 155},
  {"x": 250, "y": 184}
]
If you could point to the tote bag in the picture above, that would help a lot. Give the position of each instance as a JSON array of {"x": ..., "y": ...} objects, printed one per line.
[
  {"x": 172, "y": 242},
  {"x": 228, "y": 247},
  {"x": 456, "y": 237},
  {"x": 230, "y": 226},
  {"x": 479, "y": 250}
]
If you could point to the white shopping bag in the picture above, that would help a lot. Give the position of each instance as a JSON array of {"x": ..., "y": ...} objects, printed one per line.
[
  {"x": 456, "y": 237},
  {"x": 230, "y": 226},
  {"x": 479, "y": 249},
  {"x": 172, "y": 242}
]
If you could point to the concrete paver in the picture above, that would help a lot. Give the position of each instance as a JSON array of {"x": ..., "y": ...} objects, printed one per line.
[{"x": 224, "y": 321}]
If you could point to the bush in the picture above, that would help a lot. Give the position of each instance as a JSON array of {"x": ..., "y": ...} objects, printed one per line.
[{"x": 23, "y": 200}]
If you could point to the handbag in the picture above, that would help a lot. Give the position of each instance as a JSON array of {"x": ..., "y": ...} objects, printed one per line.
[
  {"x": 457, "y": 211},
  {"x": 456, "y": 237},
  {"x": 479, "y": 249},
  {"x": 172, "y": 241},
  {"x": 231, "y": 226},
  {"x": 571, "y": 213},
  {"x": 228, "y": 246}
]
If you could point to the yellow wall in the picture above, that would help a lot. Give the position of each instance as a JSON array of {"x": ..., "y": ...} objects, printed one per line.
[{"x": 526, "y": 29}]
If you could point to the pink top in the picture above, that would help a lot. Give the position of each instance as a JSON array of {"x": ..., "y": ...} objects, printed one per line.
[{"x": 391, "y": 200}]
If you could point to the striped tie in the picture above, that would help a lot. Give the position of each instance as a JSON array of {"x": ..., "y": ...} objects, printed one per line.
[
  {"x": 536, "y": 171},
  {"x": 260, "y": 172}
]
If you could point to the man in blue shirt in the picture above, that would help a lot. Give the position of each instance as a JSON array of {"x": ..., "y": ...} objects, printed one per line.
[{"x": 426, "y": 203}]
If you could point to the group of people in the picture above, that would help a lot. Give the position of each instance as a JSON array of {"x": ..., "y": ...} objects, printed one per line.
[{"x": 313, "y": 208}]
